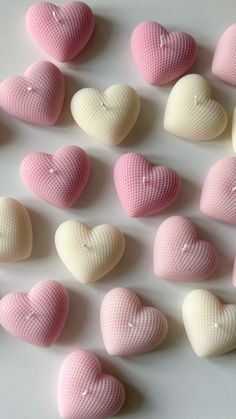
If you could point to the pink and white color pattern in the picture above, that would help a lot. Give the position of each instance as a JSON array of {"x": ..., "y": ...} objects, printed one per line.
[
  {"x": 37, "y": 317},
  {"x": 37, "y": 97},
  {"x": 61, "y": 31},
  {"x": 143, "y": 188},
  {"x": 218, "y": 197},
  {"x": 162, "y": 56},
  {"x": 128, "y": 327},
  {"x": 58, "y": 178},
  {"x": 84, "y": 391},
  {"x": 179, "y": 255}
]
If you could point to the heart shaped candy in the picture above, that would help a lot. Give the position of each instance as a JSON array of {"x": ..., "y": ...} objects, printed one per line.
[
  {"x": 57, "y": 178},
  {"x": 61, "y": 31},
  {"x": 162, "y": 56},
  {"x": 191, "y": 113},
  {"x": 106, "y": 116},
  {"x": 84, "y": 391},
  {"x": 210, "y": 325},
  {"x": 179, "y": 255},
  {"x": 37, "y": 317},
  {"x": 128, "y": 327},
  {"x": 89, "y": 253},
  {"x": 224, "y": 60},
  {"x": 143, "y": 188},
  {"x": 37, "y": 97},
  {"x": 218, "y": 197},
  {"x": 15, "y": 231}
]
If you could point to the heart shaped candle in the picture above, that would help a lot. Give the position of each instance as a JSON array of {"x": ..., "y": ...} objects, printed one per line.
[
  {"x": 224, "y": 61},
  {"x": 89, "y": 253},
  {"x": 37, "y": 317},
  {"x": 128, "y": 327},
  {"x": 179, "y": 255},
  {"x": 209, "y": 324},
  {"x": 15, "y": 231},
  {"x": 57, "y": 178},
  {"x": 61, "y": 31},
  {"x": 162, "y": 56},
  {"x": 143, "y": 188},
  {"x": 37, "y": 97},
  {"x": 191, "y": 113},
  {"x": 85, "y": 391},
  {"x": 218, "y": 197},
  {"x": 106, "y": 116},
  {"x": 234, "y": 130}
]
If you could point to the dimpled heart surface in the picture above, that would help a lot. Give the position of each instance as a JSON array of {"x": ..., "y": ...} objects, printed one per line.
[
  {"x": 89, "y": 253},
  {"x": 218, "y": 197},
  {"x": 234, "y": 274},
  {"x": 61, "y": 31},
  {"x": 37, "y": 97},
  {"x": 191, "y": 113},
  {"x": 106, "y": 116},
  {"x": 234, "y": 130},
  {"x": 209, "y": 324},
  {"x": 57, "y": 178},
  {"x": 128, "y": 327},
  {"x": 37, "y": 317},
  {"x": 179, "y": 255},
  {"x": 15, "y": 231},
  {"x": 224, "y": 60},
  {"x": 162, "y": 56},
  {"x": 84, "y": 391},
  {"x": 143, "y": 188}
]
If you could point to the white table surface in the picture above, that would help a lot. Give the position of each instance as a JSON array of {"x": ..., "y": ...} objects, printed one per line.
[{"x": 171, "y": 382}]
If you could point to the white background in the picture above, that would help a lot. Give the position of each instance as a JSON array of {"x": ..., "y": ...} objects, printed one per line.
[{"x": 171, "y": 382}]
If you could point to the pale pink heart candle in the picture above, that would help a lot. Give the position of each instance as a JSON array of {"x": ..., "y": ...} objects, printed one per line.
[
  {"x": 234, "y": 274},
  {"x": 179, "y": 255},
  {"x": 61, "y": 31},
  {"x": 37, "y": 97},
  {"x": 143, "y": 188},
  {"x": 218, "y": 197},
  {"x": 37, "y": 317},
  {"x": 58, "y": 178},
  {"x": 85, "y": 391},
  {"x": 224, "y": 61},
  {"x": 128, "y": 327},
  {"x": 162, "y": 56}
]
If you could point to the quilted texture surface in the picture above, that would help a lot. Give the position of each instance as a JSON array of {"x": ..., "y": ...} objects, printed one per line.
[
  {"x": 179, "y": 255},
  {"x": 161, "y": 56},
  {"x": 61, "y": 31},
  {"x": 37, "y": 317},
  {"x": 209, "y": 324},
  {"x": 218, "y": 199},
  {"x": 128, "y": 327},
  {"x": 37, "y": 97},
  {"x": 85, "y": 391},
  {"x": 234, "y": 130},
  {"x": 143, "y": 188},
  {"x": 89, "y": 253},
  {"x": 191, "y": 113},
  {"x": 58, "y": 178},
  {"x": 16, "y": 231},
  {"x": 106, "y": 116},
  {"x": 224, "y": 60}
]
